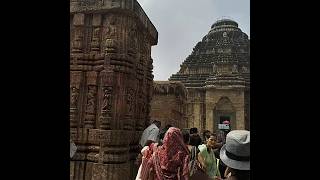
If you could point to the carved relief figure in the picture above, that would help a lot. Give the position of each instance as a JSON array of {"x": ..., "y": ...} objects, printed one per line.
[
  {"x": 95, "y": 39},
  {"x": 74, "y": 96},
  {"x": 144, "y": 47},
  {"x": 130, "y": 99},
  {"x": 111, "y": 26},
  {"x": 187, "y": 70},
  {"x": 133, "y": 41},
  {"x": 224, "y": 34},
  {"x": 106, "y": 99},
  {"x": 182, "y": 69},
  {"x": 78, "y": 37},
  {"x": 225, "y": 37},
  {"x": 144, "y": 109},
  {"x": 111, "y": 31},
  {"x": 106, "y": 108},
  {"x": 235, "y": 69},
  {"x": 214, "y": 68},
  {"x": 244, "y": 69},
  {"x": 91, "y": 99}
]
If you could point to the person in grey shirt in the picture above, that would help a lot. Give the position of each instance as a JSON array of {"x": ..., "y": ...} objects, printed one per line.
[{"x": 150, "y": 134}]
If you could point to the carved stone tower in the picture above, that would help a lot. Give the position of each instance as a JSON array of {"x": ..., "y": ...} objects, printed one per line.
[
  {"x": 217, "y": 76},
  {"x": 110, "y": 86}
]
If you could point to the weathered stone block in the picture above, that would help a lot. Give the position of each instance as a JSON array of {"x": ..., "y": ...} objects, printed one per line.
[{"x": 78, "y": 19}]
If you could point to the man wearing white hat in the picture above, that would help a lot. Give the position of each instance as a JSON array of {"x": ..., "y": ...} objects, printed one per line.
[{"x": 235, "y": 154}]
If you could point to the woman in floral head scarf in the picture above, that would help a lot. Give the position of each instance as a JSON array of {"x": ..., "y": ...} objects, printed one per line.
[{"x": 170, "y": 161}]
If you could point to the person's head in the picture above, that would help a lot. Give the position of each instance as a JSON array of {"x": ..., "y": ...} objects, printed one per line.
[
  {"x": 195, "y": 140},
  {"x": 163, "y": 131},
  {"x": 173, "y": 153},
  {"x": 236, "y": 152},
  {"x": 219, "y": 143},
  {"x": 157, "y": 123},
  {"x": 205, "y": 133},
  {"x": 186, "y": 136},
  {"x": 211, "y": 139},
  {"x": 167, "y": 126},
  {"x": 173, "y": 137},
  {"x": 194, "y": 130}
]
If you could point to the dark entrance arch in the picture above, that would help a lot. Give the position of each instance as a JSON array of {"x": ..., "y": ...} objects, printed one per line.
[{"x": 224, "y": 110}]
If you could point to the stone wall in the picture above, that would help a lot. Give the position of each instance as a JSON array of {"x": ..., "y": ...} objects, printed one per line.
[
  {"x": 110, "y": 86},
  {"x": 196, "y": 108},
  {"x": 202, "y": 107},
  {"x": 236, "y": 99},
  {"x": 169, "y": 103}
]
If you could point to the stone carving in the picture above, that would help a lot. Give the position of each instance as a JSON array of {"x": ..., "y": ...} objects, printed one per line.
[
  {"x": 111, "y": 46},
  {"x": 145, "y": 47},
  {"x": 74, "y": 97},
  {"x": 111, "y": 31},
  {"x": 143, "y": 109},
  {"x": 95, "y": 43},
  {"x": 214, "y": 68},
  {"x": 187, "y": 70},
  {"x": 91, "y": 99},
  {"x": 106, "y": 106},
  {"x": 104, "y": 116},
  {"x": 235, "y": 68},
  {"x": 105, "y": 113},
  {"x": 224, "y": 34},
  {"x": 110, "y": 171},
  {"x": 130, "y": 100},
  {"x": 133, "y": 41},
  {"x": 73, "y": 106},
  {"x": 77, "y": 43},
  {"x": 245, "y": 69}
]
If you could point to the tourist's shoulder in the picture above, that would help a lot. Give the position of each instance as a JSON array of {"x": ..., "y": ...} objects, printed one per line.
[{"x": 202, "y": 147}]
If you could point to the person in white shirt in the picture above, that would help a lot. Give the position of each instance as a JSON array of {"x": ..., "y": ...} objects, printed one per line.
[{"x": 150, "y": 134}]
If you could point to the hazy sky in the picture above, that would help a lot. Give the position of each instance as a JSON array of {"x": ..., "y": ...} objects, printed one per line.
[{"x": 183, "y": 23}]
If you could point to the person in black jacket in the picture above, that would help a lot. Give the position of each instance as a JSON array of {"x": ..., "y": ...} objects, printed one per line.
[
  {"x": 195, "y": 139},
  {"x": 163, "y": 132}
]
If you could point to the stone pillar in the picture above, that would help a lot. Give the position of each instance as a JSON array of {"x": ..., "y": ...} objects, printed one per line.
[
  {"x": 240, "y": 120},
  {"x": 197, "y": 114},
  {"x": 111, "y": 79},
  {"x": 210, "y": 119},
  {"x": 238, "y": 103}
]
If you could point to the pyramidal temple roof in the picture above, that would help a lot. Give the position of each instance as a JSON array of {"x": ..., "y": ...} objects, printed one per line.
[{"x": 224, "y": 49}]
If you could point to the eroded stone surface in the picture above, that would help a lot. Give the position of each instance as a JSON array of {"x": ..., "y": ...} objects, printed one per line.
[{"x": 110, "y": 85}]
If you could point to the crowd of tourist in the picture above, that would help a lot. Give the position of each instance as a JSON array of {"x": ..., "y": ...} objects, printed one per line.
[{"x": 175, "y": 154}]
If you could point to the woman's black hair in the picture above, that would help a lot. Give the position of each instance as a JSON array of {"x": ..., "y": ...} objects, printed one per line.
[
  {"x": 195, "y": 140},
  {"x": 186, "y": 136},
  {"x": 164, "y": 130},
  {"x": 208, "y": 134}
]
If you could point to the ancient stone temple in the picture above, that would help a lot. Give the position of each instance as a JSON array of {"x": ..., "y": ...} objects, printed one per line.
[
  {"x": 217, "y": 77},
  {"x": 110, "y": 86},
  {"x": 169, "y": 103}
]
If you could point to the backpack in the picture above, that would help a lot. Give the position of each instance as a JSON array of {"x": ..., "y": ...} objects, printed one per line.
[
  {"x": 193, "y": 160},
  {"x": 196, "y": 173}
]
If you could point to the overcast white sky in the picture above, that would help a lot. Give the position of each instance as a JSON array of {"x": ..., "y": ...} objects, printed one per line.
[{"x": 183, "y": 23}]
